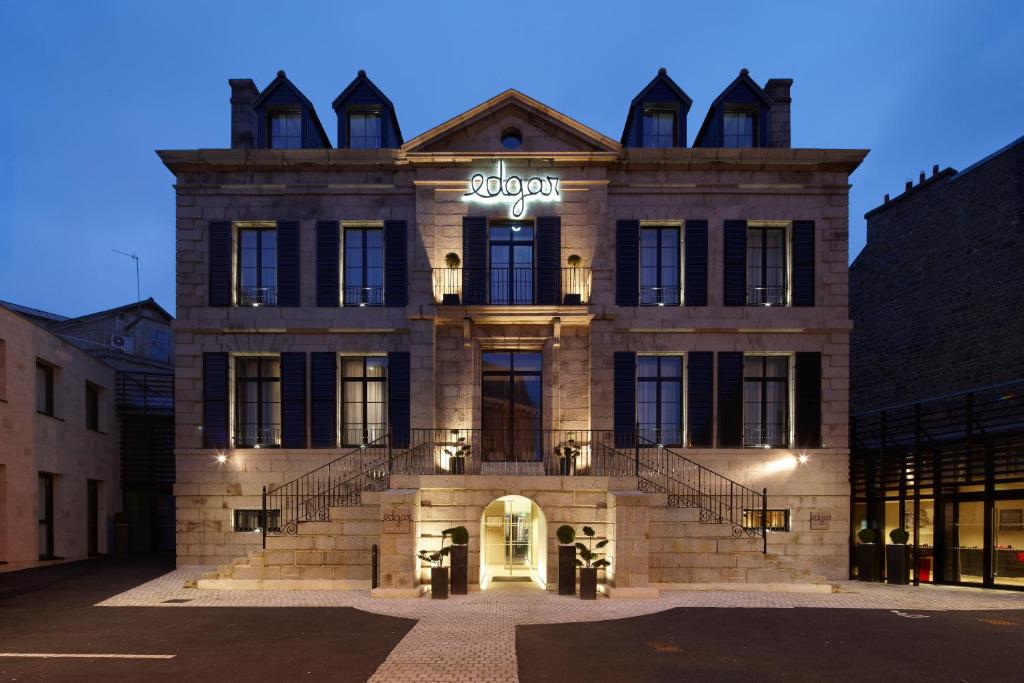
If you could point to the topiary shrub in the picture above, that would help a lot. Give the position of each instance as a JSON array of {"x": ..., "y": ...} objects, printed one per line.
[
  {"x": 566, "y": 534},
  {"x": 452, "y": 260},
  {"x": 867, "y": 535},
  {"x": 899, "y": 536},
  {"x": 575, "y": 260},
  {"x": 459, "y": 534}
]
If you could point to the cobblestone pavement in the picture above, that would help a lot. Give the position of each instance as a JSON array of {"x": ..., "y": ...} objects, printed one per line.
[{"x": 472, "y": 637}]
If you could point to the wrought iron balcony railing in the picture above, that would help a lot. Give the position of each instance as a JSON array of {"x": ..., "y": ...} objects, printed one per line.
[
  {"x": 362, "y": 296},
  {"x": 257, "y": 296},
  {"x": 660, "y": 296},
  {"x": 251, "y": 436},
  {"x": 771, "y": 436},
  {"x": 766, "y": 296},
  {"x": 503, "y": 286}
]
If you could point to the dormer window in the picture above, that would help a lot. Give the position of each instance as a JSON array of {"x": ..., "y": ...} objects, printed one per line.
[
  {"x": 286, "y": 130},
  {"x": 739, "y": 129},
  {"x": 364, "y": 130},
  {"x": 659, "y": 128}
]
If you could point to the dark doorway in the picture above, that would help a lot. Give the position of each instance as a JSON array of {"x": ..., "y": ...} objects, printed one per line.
[
  {"x": 93, "y": 520},
  {"x": 511, "y": 411},
  {"x": 45, "y": 505}
]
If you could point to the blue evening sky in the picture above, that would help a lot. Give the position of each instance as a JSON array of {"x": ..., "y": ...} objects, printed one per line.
[{"x": 94, "y": 87}]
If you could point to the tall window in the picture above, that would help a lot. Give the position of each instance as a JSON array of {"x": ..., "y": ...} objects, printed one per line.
[
  {"x": 364, "y": 267},
  {"x": 511, "y": 251},
  {"x": 659, "y": 128},
  {"x": 659, "y": 266},
  {"x": 364, "y": 417},
  {"x": 766, "y": 401},
  {"x": 44, "y": 388},
  {"x": 257, "y": 267},
  {"x": 766, "y": 267},
  {"x": 738, "y": 129},
  {"x": 286, "y": 130},
  {"x": 258, "y": 401},
  {"x": 659, "y": 398},
  {"x": 92, "y": 406},
  {"x": 364, "y": 130}
]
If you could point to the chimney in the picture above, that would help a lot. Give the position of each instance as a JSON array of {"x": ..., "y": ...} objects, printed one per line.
[
  {"x": 778, "y": 119},
  {"x": 243, "y": 116}
]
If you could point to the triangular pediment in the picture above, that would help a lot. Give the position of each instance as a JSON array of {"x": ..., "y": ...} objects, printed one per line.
[{"x": 480, "y": 130}]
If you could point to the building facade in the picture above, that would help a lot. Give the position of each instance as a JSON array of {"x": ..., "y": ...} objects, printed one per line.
[
  {"x": 513, "y": 322},
  {"x": 59, "y": 478},
  {"x": 938, "y": 415}
]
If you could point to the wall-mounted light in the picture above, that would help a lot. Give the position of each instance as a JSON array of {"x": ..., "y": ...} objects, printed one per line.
[
  {"x": 802, "y": 459},
  {"x": 221, "y": 458}
]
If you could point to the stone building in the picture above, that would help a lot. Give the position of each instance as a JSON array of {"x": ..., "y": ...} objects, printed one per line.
[
  {"x": 938, "y": 371},
  {"x": 512, "y": 322},
  {"x": 59, "y": 475}
]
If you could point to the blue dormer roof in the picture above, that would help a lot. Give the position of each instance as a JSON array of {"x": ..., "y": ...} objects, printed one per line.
[
  {"x": 661, "y": 93},
  {"x": 743, "y": 94},
  {"x": 361, "y": 93},
  {"x": 282, "y": 95}
]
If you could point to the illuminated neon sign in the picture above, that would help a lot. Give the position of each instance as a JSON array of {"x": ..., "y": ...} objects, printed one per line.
[{"x": 512, "y": 190}]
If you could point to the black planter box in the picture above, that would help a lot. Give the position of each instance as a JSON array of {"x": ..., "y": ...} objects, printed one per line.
[
  {"x": 460, "y": 569},
  {"x": 450, "y": 299},
  {"x": 457, "y": 465},
  {"x": 897, "y": 564},
  {"x": 588, "y": 583},
  {"x": 572, "y": 300},
  {"x": 567, "y": 570},
  {"x": 439, "y": 583},
  {"x": 868, "y": 556}
]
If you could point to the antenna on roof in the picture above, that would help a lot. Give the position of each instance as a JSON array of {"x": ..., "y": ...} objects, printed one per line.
[{"x": 135, "y": 257}]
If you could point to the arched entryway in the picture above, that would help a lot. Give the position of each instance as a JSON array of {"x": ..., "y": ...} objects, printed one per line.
[{"x": 513, "y": 543}]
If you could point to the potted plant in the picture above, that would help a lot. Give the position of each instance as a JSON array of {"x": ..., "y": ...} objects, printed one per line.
[
  {"x": 438, "y": 572},
  {"x": 574, "y": 299},
  {"x": 460, "y": 558},
  {"x": 589, "y": 562},
  {"x": 457, "y": 453},
  {"x": 452, "y": 260},
  {"x": 567, "y": 456},
  {"x": 867, "y": 555},
  {"x": 566, "y": 560},
  {"x": 897, "y": 558}
]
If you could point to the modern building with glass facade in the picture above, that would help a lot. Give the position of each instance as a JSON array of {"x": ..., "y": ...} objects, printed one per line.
[{"x": 512, "y": 322}]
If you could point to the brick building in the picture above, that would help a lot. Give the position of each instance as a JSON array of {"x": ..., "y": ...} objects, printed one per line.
[
  {"x": 512, "y": 322},
  {"x": 938, "y": 371}
]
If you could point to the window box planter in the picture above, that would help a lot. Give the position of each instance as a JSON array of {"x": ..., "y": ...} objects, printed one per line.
[
  {"x": 450, "y": 300},
  {"x": 572, "y": 300}
]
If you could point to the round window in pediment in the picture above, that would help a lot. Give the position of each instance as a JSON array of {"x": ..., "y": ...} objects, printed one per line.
[{"x": 512, "y": 139}]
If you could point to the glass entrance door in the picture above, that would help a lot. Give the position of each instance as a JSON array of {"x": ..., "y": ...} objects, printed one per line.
[
  {"x": 511, "y": 411},
  {"x": 508, "y": 535}
]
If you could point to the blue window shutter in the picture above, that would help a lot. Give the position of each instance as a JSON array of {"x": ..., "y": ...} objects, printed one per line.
[
  {"x": 396, "y": 266},
  {"x": 730, "y": 399},
  {"x": 695, "y": 291},
  {"x": 549, "y": 260},
  {"x": 474, "y": 260},
  {"x": 624, "y": 390},
  {"x": 803, "y": 263},
  {"x": 700, "y": 397},
  {"x": 735, "y": 266},
  {"x": 328, "y": 254},
  {"x": 293, "y": 400},
  {"x": 399, "y": 400},
  {"x": 323, "y": 393},
  {"x": 220, "y": 263},
  {"x": 215, "y": 400},
  {"x": 807, "y": 393},
  {"x": 287, "y": 263},
  {"x": 627, "y": 263}
]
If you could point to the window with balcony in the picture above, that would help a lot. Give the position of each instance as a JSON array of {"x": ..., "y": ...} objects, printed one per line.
[
  {"x": 659, "y": 266},
  {"x": 364, "y": 130},
  {"x": 364, "y": 416},
  {"x": 659, "y": 399},
  {"x": 286, "y": 130},
  {"x": 766, "y": 266},
  {"x": 511, "y": 278},
  {"x": 44, "y": 388},
  {"x": 257, "y": 267},
  {"x": 364, "y": 267},
  {"x": 659, "y": 128},
  {"x": 739, "y": 129},
  {"x": 766, "y": 401},
  {"x": 257, "y": 401}
]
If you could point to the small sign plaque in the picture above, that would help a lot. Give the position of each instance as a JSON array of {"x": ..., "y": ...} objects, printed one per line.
[
  {"x": 398, "y": 521},
  {"x": 820, "y": 521}
]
